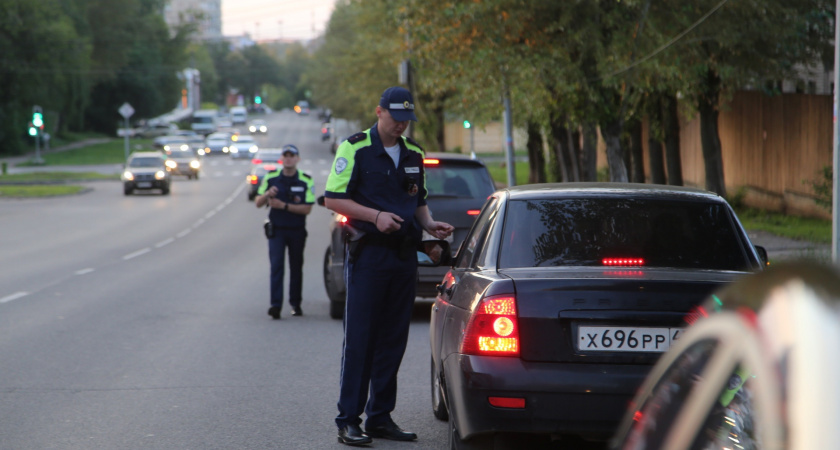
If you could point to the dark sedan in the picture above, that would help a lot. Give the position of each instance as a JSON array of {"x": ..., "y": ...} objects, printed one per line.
[
  {"x": 457, "y": 188},
  {"x": 563, "y": 296}
]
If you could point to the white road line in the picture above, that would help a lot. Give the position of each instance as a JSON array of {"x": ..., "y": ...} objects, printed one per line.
[
  {"x": 84, "y": 271},
  {"x": 220, "y": 207},
  {"x": 164, "y": 242},
  {"x": 197, "y": 223},
  {"x": 136, "y": 254},
  {"x": 210, "y": 214},
  {"x": 183, "y": 233},
  {"x": 14, "y": 296}
]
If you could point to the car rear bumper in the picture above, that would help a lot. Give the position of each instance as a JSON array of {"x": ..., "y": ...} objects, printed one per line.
[{"x": 560, "y": 398}]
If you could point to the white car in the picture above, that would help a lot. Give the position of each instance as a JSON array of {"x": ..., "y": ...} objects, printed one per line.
[
  {"x": 244, "y": 147},
  {"x": 757, "y": 368}
]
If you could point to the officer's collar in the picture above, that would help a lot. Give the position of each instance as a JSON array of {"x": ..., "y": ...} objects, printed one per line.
[{"x": 374, "y": 136}]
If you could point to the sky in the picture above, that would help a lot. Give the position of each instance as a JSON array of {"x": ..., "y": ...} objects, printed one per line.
[{"x": 276, "y": 19}]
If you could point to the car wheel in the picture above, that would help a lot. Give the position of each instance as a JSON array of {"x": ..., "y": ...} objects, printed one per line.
[
  {"x": 336, "y": 298},
  {"x": 196, "y": 175},
  {"x": 251, "y": 196},
  {"x": 165, "y": 190},
  {"x": 438, "y": 405},
  {"x": 189, "y": 177},
  {"x": 127, "y": 190}
]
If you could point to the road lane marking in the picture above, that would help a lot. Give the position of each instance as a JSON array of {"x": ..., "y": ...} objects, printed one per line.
[
  {"x": 164, "y": 242},
  {"x": 136, "y": 254},
  {"x": 14, "y": 296},
  {"x": 84, "y": 271},
  {"x": 210, "y": 214},
  {"x": 183, "y": 233}
]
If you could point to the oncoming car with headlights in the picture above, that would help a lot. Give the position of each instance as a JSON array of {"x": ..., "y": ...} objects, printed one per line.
[
  {"x": 563, "y": 296},
  {"x": 184, "y": 162},
  {"x": 243, "y": 147},
  {"x": 145, "y": 171}
]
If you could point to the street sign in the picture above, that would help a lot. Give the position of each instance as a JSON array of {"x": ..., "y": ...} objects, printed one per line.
[{"x": 126, "y": 110}]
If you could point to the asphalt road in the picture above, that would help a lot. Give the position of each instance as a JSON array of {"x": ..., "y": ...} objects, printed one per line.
[{"x": 140, "y": 322}]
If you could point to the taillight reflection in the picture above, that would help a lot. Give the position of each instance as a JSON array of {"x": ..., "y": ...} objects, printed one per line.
[
  {"x": 493, "y": 329},
  {"x": 473, "y": 212}
]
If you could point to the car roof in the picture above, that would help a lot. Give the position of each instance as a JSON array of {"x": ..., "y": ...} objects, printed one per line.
[{"x": 609, "y": 189}]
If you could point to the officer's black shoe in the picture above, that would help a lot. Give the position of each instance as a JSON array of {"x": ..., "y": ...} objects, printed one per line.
[
  {"x": 353, "y": 435},
  {"x": 274, "y": 312},
  {"x": 296, "y": 311},
  {"x": 390, "y": 430}
]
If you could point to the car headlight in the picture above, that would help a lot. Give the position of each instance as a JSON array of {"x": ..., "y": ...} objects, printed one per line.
[
  {"x": 225, "y": 149},
  {"x": 253, "y": 149},
  {"x": 159, "y": 175},
  {"x": 167, "y": 147},
  {"x": 171, "y": 164},
  {"x": 184, "y": 147},
  {"x": 128, "y": 176},
  {"x": 201, "y": 152},
  {"x": 234, "y": 149},
  {"x": 263, "y": 129},
  {"x": 252, "y": 128},
  {"x": 195, "y": 164}
]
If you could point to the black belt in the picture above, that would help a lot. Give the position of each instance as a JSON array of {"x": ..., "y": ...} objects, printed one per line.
[{"x": 382, "y": 240}]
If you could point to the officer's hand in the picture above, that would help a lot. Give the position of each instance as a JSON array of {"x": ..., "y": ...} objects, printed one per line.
[
  {"x": 388, "y": 222},
  {"x": 271, "y": 192},
  {"x": 440, "y": 230}
]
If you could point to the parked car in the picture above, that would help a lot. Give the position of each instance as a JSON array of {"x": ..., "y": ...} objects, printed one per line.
[
  {"x": 258, "y": 126},
  {"x": 184, "y": 162},
  {"x": 217, "y": 143},
  {"x": 155, "y": 130},
  {"x": 457, "y": 188},
  {"x": 145, "y": 171},
  {"x": 255, "y": 177},
  {"x": 563, "y": 296},
  {"x": 755, "y": 370},
  {"x": 244, "y": 146}
]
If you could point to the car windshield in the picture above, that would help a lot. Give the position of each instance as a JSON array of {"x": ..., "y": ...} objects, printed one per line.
[
  {"x": 146, "y": 161},
  {"x": 585, "y": 231},
  {"x": 458, "y": 180}
]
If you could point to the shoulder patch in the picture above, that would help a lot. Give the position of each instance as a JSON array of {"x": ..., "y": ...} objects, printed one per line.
[
  {"x": 358, "y": 137},
  {"x": 413, "y": 142}
]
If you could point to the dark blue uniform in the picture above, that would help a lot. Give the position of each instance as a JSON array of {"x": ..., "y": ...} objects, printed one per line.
[
  {"x": 289, "y": 232},
  {"x": 380, "y": 278}
]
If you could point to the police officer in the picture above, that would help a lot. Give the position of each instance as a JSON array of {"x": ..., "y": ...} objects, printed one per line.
[
  {"x": 289, "y": 193},
  {"x": 378, "y": 182}
]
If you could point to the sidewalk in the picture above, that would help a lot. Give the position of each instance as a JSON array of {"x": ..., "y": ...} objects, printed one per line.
[{"x": 781, "y": 248}]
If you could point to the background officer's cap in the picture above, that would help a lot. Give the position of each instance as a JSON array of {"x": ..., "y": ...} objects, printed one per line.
[
  {"x": 399, "y": 102},
  {"x": 290, "y": 149}
]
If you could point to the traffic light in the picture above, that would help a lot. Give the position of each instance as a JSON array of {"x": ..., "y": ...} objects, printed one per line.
[
  {"x": 33, "y": 131},
  {"x": 258, "y": 99},
  {"x": 467, "y": 124},
  {"x": 37, "y": 119}
]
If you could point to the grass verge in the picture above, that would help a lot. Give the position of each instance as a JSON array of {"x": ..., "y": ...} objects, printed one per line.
[
  {"x": 38, "y": 190},
  {"x": 111, "y": 152},
  {"x": 794, "y": 227}
]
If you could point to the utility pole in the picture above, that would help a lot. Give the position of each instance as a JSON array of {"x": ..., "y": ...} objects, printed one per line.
[{"x": 835, "y": 202}]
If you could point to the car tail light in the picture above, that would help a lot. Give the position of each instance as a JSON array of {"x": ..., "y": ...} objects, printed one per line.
[
  {"x": 270, "y": 168},
  {"x": 473, "y": 212},
  {"x": 256, "y": 161},
  {"x": 493, "y": 329},
  {"x": 431, "y": 162},
  {"x": 623, "y": 262},
  {"x": 341, "y": 219},
  {"x": 252, "y": 179},
  {"x": 507, "y": 402}
]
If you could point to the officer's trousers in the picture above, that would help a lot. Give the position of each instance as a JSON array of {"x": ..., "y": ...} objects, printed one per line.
[
  {"x": 380, "y": 300},
  {"x": 294, "y": 239}
]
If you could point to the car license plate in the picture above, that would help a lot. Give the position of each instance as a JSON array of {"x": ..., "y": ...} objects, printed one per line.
[
  {"x": 627, "y": 339},
  {"x": 144, "y": 184}
]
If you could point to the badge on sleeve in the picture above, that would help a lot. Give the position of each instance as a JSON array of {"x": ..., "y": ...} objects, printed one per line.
[{"x": 340, "y": 165}]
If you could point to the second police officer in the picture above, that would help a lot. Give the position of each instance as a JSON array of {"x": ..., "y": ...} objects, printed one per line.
[{"x": 290, "y": 194}]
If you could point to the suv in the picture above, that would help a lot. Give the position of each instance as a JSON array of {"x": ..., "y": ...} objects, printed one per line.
[
  {"x": 457, "y": 188},
  {"x": 145, "y": 171}
]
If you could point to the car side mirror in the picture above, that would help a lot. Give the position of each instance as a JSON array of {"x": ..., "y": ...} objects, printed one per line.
[
  {"x": 433, "y": 253},
  {"x": 762, "y": 256}
]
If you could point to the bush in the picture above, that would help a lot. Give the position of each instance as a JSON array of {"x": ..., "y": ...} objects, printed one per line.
[{"x": 823, "y": 187}]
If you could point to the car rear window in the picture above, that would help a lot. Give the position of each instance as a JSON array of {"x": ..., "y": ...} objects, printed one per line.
[
  {"x": 458, "y": 180},
  {"x": 583, "y": 232}
]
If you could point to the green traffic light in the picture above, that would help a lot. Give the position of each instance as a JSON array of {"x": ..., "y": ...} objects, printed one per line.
[
  {"x": 37, "y": 119},
  {"x": 258, "y": 99},
  {"x": 33, "y": 131},
  {"x": 467, "y": 124}
]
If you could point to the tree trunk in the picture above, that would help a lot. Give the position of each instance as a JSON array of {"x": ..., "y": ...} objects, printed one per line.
[
  {"x": 636, "y": 152},
  {"x": 671, "y": 129},
  {"x": 536, "y": 158},
  {"x": 589, "y": 152},
  {"x": 656, "y": 163},
  {"x": 574, "y": 153},
  {"x": 559, "y": 140},
  {"x": 709, "y": 138},
  {"x": 440, "y": 132},
  {"x": 611, "y": 130}
]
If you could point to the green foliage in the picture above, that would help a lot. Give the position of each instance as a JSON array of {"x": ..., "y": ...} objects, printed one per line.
[
  {"x": 802, "y": 228},
  {"x": 823, "y": 187},
  {"x": 38, "y": 190}
]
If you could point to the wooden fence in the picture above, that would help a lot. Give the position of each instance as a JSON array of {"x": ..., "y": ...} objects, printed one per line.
[{"x": 773, "y": 148}]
